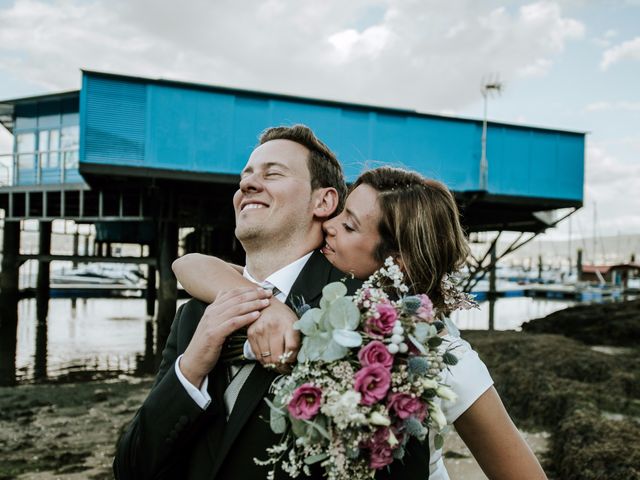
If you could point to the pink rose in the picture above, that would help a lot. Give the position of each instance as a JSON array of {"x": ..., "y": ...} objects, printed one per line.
[
  {"x": 373, "y": 382},
  {"x": 381, "y": 451},
  {"x": 425, "y": 311},
  {"x": 375, "y": 352},
  {"x": 386, "y": 320},
  {"x": 406, "y": 406},
  {"x": 305, "y": 403}
]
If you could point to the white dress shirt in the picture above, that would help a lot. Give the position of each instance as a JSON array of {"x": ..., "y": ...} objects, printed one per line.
[{"x": 283, "y": 280}]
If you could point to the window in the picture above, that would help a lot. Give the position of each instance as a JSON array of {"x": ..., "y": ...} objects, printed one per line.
[
  {"x": 54, "y": 147},
  {"x": 26, "y": 146},
  {"x": 69, "y": 144}
]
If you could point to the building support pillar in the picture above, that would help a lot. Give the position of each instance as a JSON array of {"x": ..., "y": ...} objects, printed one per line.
[
  {"x": 168, "y": 288},
  {"x": 9, "y": 295},
  {"x": 151, "y": 292},
  {"x": 42, "y": 284}
]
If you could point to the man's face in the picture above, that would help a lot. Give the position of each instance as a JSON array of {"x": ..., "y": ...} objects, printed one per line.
[{"x": 274, "y": 198}]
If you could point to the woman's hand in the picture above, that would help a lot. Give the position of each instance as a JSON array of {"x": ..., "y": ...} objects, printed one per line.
[
  {"x": 272, "y": 337},
  {"x": 232, "y": 310}
]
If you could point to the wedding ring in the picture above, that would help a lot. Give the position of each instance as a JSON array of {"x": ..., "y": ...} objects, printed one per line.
[{"x": 265, "y": 354}]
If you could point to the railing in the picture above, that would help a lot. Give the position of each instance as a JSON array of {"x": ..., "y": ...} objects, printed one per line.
[{"x": 12, "y": 173}]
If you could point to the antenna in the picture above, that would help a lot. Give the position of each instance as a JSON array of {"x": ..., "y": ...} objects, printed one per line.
[{"x": 490, "y": 85}]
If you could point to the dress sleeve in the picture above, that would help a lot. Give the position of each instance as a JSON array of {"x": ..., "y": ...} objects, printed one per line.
[{"x": 469, "y": 378}]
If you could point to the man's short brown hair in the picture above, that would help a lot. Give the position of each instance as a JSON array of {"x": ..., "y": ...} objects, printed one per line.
[{"x": 324, "y": 168}]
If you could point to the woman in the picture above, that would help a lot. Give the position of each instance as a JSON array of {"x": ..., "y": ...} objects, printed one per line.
[{"x": 395, "y": 212}]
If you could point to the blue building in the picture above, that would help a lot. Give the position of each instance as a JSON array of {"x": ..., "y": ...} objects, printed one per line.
[
  {"x": 140, "y": 158},
  {"x": 119, "y": 134}
]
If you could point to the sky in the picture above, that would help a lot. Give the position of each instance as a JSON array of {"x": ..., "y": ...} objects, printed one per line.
[{"x": 571, "y": 64}]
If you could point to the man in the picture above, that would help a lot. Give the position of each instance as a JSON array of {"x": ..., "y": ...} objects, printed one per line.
[{"x": 197, "y": 422}]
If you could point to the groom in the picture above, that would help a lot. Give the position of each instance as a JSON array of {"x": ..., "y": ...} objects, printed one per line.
[{"x": 198, "y": 422}]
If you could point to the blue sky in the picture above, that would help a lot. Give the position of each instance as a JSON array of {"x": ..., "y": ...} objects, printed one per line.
[{"x": 572, "y": 64}]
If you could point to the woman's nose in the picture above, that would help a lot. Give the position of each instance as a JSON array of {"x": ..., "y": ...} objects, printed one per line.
[{"x": 328, "y": 228}]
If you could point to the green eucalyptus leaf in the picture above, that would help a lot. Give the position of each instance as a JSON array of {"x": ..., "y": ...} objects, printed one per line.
[
  {"x": 316, "y": 458},
  {"x": 434, "y": 342},
  {"x": 315, "y": 345},
  {"x": 347, "y": 338},
  {"x": 344, "y": 314},
  {"x": 318, "y": 425},
  {"x": 449, "y": 358},
  {"x": 298, "y": 427},
  {"x": 333, "y": 291},
  {"x": 277, "y": 418},
  {"x": 421, "y": 332},
  {"x": 438, "y": 441},
  {"x": 334, "y": 352},
  {"x": 308, "y": 323},
  {"x": 418, "y": 345}
]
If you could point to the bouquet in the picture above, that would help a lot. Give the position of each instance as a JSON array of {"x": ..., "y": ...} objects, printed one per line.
[{"x": 367, "y": 379}]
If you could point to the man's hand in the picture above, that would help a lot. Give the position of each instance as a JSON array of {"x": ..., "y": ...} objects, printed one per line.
[
  {"x": 232, "y": 310},
  {"x": 273, "y": 338}
]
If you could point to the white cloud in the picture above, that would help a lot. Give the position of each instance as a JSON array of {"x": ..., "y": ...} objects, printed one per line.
[
  {"x": 418, "y": 55},
  {"x": 629, "y": 50},
  {"x": 606, "y": 179},
  {"x": 613, "y": 106}
]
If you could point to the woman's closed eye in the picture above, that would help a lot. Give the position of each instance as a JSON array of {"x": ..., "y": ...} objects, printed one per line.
[{"x": 348, "y": 227}]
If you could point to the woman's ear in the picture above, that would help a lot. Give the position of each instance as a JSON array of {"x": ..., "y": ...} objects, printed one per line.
[
  {"x": 325, "y": 202},
  {"x": 397, "y": 258}
]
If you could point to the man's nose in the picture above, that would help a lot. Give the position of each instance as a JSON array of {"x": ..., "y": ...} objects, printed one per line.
[{"x": 250, "y": 183}]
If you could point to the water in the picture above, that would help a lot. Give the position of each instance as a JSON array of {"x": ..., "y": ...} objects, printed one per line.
[
  {"x": 111, "y": 335},
  {"x": 84, "y": 334},
  {"x": 509, "y": 313}
]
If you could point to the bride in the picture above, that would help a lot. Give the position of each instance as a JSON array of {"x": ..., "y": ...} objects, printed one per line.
[{"x": 395, "y": 212}]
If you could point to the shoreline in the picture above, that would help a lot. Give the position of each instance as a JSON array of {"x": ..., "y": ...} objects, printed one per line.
[{"x": 578, "y": 406}]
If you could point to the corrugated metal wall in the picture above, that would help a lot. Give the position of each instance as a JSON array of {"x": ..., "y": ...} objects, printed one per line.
[{"x": 137, "y": 123}]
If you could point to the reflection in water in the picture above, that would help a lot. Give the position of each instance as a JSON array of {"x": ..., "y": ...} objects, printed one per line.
[
  {"x": 40, "y": 367},
  {"x": 509, "y": 313},
  {"x": 115, "y": 335},
  {"x": 8, "y": 323},
  {"x": 108, "y": 335}
]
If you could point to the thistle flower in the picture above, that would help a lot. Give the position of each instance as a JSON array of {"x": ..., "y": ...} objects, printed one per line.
[
  {"x": 418, "y": 366},
  {"x": 414, "y": 428}
]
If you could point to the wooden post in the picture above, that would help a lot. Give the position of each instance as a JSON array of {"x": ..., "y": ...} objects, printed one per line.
[
  {"x": 492, "y": 295},
  {"x": 579, "y": 265},
  {"x": 9, "y": 277},
  {"x": 168, "y": 288}
]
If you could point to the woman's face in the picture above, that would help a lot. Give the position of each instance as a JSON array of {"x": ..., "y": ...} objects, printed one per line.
[{"x": 352, "y": 237}]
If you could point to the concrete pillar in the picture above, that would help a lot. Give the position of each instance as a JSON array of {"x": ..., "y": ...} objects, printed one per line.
[
  {"x": 76, "y": 238},
  {"x": 168, "y": 288},
  {"x": 151, "y": 292},
  {"x": 9, "y": 276},
  {"x": 42, "y": 284}
]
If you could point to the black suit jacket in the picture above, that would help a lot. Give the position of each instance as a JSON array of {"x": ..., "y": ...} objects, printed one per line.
[{"x": 172, "y": 438}]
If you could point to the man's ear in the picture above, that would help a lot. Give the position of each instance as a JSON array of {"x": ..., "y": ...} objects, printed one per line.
[{"x": 325, "y": 202}]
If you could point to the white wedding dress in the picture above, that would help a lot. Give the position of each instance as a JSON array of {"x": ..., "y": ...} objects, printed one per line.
[{"x": 469, "y": 379}]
